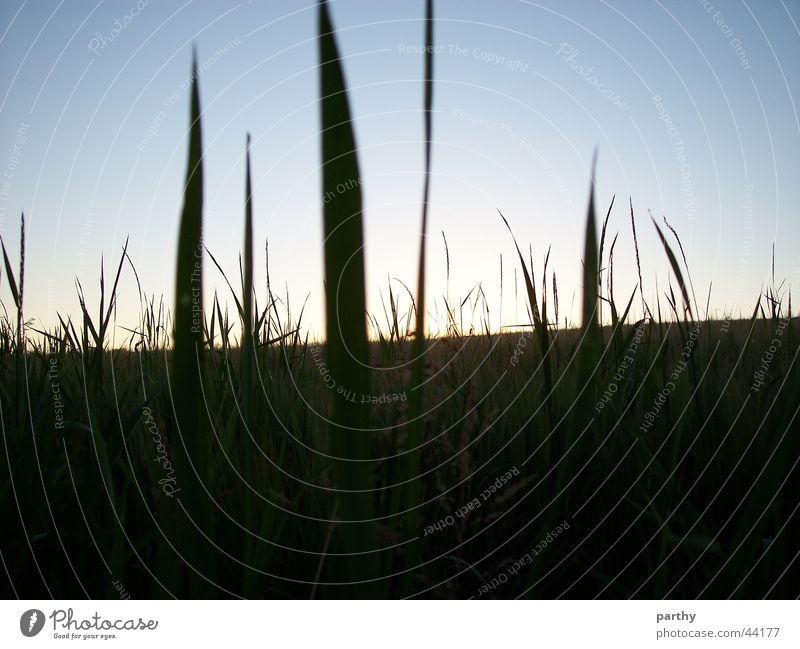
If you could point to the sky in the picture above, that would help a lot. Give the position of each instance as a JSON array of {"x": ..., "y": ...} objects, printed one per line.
[{"x": 691, "y": 106}]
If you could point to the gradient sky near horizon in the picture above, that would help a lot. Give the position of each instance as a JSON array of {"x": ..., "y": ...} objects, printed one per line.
[{"x": 692, "y": 106}]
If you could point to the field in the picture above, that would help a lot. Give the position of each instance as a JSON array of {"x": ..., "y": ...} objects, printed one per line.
[
  {"x": 690, "y": 495},
  {"x": 219, "y": 452}
]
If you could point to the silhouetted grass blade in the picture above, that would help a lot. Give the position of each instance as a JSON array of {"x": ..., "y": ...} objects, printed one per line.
[
  {"x": 676, "y": 269},
  {"x": 248, "y": 347},
  {"x": 345, "y": 299},
  {"x": 12, "y": 284},
  {"x": 590, "y": 345},
  {"x": 417, "y": 426},
  {"x": 192, "y": 446}
]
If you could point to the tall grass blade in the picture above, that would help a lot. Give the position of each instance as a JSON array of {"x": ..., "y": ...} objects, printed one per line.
[
  {"x": 418, "y": 347},
  {"x": 12, "y": 284},
  {"x": 20, "y": 306},
  {"x": 676, "y": 269},
  {"x": 600, "y": 257},
  {"x": 248, "y": 249},
  {"x": 685, "y": 262},
  {"x": 248, "y": 347},
  {"x": 590, "y": 347},
  {"x": 530, "y": 287},
  {"x": 539, "y": 323},
  {"x": 192, "y": 451},
  {"x": 645, "y": 309},
  {"x": 18, "y": 294},
  {"x": 345, "y": 299},
  {"x": 248, "y": 356},
  {"x": 447, "y": 266}
]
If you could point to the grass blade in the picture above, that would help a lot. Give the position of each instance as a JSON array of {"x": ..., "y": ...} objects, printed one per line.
[
  {"x": 686, "y": 263},
  {"x": 247, "y": 297},
  {"x": 346, "y": 325},
  {"x": 418, "y": 347},
  {"x": 529, "y": 285},
  {"x": 12, "y": 284},
  {"x": 539, "y": 323},
  {"x": 192, "y": 453},
  {"x": 247, "y": 361},
  {"x": 590, "y": 265},
  {"x": 676, "y": 269},
  {"x": 645, "y": 309}
]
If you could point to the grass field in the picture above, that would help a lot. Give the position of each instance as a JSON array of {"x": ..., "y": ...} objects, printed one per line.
[
  {"x": 219, "y": 452},
  {"x": 690, "y": 495}
]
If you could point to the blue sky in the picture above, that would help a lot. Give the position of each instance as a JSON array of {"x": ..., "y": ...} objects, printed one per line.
[{"x": 692, "y": 106}]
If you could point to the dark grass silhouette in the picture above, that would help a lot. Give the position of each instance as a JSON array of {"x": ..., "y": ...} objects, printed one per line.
[{"x": 647, "y": 459}]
